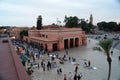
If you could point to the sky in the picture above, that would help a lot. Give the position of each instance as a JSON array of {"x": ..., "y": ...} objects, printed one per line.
[{"x": 23, "y": 13}]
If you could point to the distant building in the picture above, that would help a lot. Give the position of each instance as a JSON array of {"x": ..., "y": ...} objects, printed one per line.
[
  {"x": 91, "y": 19},
  {"x": 16, "y": 31},
  {"x": 53, "y": 38}
]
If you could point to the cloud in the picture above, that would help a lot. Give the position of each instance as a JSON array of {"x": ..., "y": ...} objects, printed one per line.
[{"x": 25, "y": 12}]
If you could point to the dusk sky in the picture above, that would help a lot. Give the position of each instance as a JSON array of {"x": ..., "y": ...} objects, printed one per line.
[{"x": 25, "y": 12}]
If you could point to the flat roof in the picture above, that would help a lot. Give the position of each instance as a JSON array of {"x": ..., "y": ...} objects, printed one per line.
[
  {"x": 60, "y": 29},
  {"x": 11, "y": 67}
]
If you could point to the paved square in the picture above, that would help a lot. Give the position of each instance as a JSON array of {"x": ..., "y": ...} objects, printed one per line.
[{"x": 98, "y": 61}]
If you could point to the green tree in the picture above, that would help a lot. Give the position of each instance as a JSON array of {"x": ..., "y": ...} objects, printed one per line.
[
  {"x": 39, "y": 22},
  {"x": 23, "y": 33},
  {"x": 108, "y": 26},
  {"x": 102, "y": 25},
  {"x": 107, "y": 46},
  {"x": 83, "y": 24},
  {"x": 87, "y": 27},
  {"x": 71, "y": 21}
]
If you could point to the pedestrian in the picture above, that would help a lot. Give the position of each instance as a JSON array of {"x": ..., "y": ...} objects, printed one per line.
[
  {"x": 75, "y": 77},
  {"x": 79, "y": 76},
  {"x": 89, "y": 63},
  {"x": 49, "y": 65},
  {"x": 111, "y": 52},
  {"x": 33, "y": 57},
  {"x": 76, "y": 69},
  {"x": 85, "y": 64},
  {"x": 60, "y": 70},
  {"x": 43, "y": 67},
  {"x": 66, "y": 52},
  {"x": 69, "y": 59},
  {"x": 42, "y": 63},
  {"x": 38, "y": 66},
  {"x": 48, "y": 54},
  {"x": 65, "y": 77},
  {"x": 119, "y": 57}
]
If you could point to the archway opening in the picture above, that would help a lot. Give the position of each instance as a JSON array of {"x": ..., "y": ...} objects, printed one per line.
[
  {"x": 76, "y": 42},
  {"x": 66, "y": 44},
  {"x": 55, "y": 47},
  {"x": 71, "y": 43}
]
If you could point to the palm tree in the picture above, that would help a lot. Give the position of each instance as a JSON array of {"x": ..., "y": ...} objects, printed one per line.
[{"x": 107, "y": 46}]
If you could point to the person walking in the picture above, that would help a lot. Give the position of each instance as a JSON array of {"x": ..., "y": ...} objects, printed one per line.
[
  {"x": 75, "y": 77},
  {"x": 42, "y": 63},
  {"x": 60, "y": 70},
  {"x": 76, "y": 69},
  {"x": 89, "y": 63},
  {"x": 49, "y": 65},
  {"x": 119, "y": 58},
  {"x": 65, "y": 77},
  {"x": 79, "y": 76},
  {"x": 38, "y": 66},
  {"x": 66, "y": 52},
  {"x": 69, "y": 59},
  {"x": 43, "y": 67}
]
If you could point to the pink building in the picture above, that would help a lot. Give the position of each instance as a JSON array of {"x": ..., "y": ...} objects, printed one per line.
[{"x": 54, "y": 38}]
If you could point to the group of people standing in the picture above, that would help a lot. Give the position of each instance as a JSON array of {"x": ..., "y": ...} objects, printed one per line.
[
  {"x": 76, "y": 76},
  {"x": 44, "y": 65}
]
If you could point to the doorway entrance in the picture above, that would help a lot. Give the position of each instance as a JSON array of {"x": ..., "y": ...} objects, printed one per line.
[
  {"x": 66, "y": 44},
  {"x": 76, "y": 42},
  {"x": 55, "y": 47},
  {"x": 71, "y": 42}
]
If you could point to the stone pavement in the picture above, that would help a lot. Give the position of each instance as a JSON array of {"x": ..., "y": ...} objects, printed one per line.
[{"x": 98, "y": 61}]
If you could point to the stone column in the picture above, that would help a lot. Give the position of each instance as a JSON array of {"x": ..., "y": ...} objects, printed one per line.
[
  {"x": 80, "y": 41},
  {"x": 50, "y": 48},
  {"x": 73, "y": 42},
  {"x": 68, "y": 43},
  {"x": 61, "y": 45}
]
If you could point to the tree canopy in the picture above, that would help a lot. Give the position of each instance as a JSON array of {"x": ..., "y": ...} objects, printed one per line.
[
  {"x": 39, "y": 22},
  {"x": 71, "y": 21},
  {"x": 23, "y": 33},
  {"x": 81, "y": 23},
  {"x": 108, "y": 26},
  {"x": 87, "y": 27}
]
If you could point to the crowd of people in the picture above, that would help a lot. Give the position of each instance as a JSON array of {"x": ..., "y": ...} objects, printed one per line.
[
  {"x": 37, "y": 58},
  {"x": 47, "y": 63}
]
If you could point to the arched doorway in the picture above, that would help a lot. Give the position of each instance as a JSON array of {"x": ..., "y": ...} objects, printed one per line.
[
  {"x": 66, "y": 44},
  {"x": 76, "y": 42},
  {"x": 46, "y": 47},
  {"x": 71, "y": 43}
]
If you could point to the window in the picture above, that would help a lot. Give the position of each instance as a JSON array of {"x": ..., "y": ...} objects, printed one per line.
[{"x": 43, "y": 35}]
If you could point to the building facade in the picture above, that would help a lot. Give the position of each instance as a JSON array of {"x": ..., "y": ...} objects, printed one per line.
[
  {"x": 54, "y": 38},
  {"x": 16, "y": 31}
]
